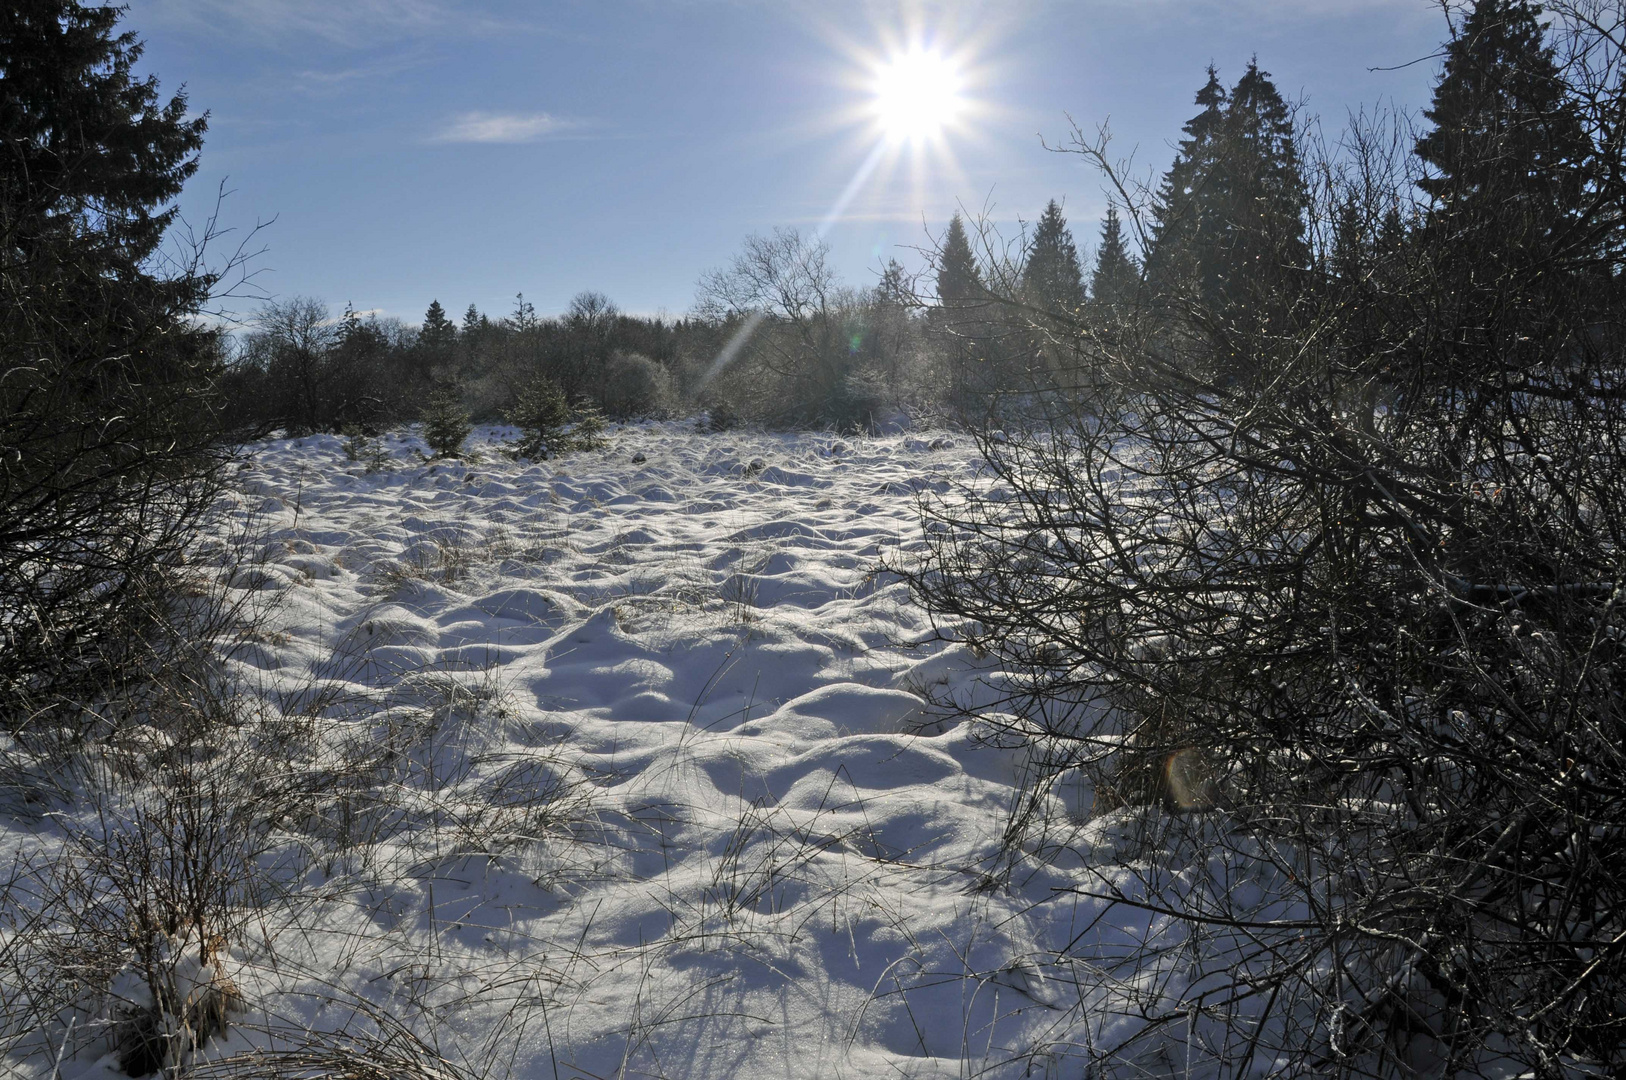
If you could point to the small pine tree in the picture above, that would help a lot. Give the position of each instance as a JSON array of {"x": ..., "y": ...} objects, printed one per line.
[
  {"x": 1052, "y": 278},
  {"x": 588, "y": 431},
  {"x": 365, "y": 449},
  {"x": 445, "y": 423},
  {"x": 548, "y": 426},
  {"x": 541, "y": 412},
  {"x": 959, "y": 282},
  {"x": 438, "y": 333},
  {"x": 720, "y": 416},
  {"x": 1116, "y": 276}
]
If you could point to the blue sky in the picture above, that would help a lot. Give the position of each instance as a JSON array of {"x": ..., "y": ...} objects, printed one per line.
[{"x": 423, "y": 149}]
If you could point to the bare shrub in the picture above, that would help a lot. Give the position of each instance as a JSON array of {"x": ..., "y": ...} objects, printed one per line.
[
  {"x": 1361, "y": 561},
  {"x": 173, "y": 849},
  {"x": 635, "y": 385},
  {"x": 385, "y": 1049},
  {"x": 801, "y": 348}
]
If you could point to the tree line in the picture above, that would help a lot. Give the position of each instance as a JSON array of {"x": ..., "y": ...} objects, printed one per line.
[
  {"x": 775, "y": 337},
  {"x": 301, "y": 368}
]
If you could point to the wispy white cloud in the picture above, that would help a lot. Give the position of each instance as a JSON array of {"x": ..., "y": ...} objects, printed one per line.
[
  {"x": 491, "y": 127},
  {"x": 341, "y": 79},
  {"x": 349, "y": 24}
]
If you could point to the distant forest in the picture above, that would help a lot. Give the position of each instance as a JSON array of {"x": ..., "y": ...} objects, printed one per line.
[{"x": 774, "y": 338}]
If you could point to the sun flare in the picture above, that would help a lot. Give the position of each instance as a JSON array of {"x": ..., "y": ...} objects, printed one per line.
[{"x": 918, "y": 95}]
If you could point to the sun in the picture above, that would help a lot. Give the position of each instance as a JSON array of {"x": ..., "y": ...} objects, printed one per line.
[{"x": 918, "y": 94}]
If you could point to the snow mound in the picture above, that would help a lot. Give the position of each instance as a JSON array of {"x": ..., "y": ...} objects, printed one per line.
[{"x": 628, "y": 770}]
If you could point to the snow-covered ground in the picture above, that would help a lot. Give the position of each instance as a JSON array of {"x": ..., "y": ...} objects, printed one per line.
[{"x": 618, "y": 765}]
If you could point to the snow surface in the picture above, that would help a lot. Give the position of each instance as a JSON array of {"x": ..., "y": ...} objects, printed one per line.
[{"x": 651, "y": 786}]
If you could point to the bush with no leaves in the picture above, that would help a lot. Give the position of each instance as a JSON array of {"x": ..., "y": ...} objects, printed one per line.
[
  {"x": 634, "y": 385},
  {"x": 1351, "y": 574}
]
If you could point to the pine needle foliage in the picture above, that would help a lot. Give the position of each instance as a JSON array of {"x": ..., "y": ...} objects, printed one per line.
[
  {"x": 445, "y": 422},
  {"x": 108, "y": 421},
  {"x": 548, "y": 425}
]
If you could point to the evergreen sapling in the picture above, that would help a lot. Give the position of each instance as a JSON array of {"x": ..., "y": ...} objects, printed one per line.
[{"x": 445, "y": 423}]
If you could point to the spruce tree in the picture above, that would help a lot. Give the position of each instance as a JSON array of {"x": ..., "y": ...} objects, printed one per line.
[
  {"x": 524, "y": 319},
  {"x": 438, "y": 333},
  {"x": 549, "y": 426},
  {"x": 93, "y": 158},
  {"x": 445, "y": 422},
  {"x": 106, "y": 404},
  {"x": 364, "y": 388},
  {"x": 888, "y": 333},
  {"x": 1266, "y": 192},
  {"x": 959, "y": 282},
  {"x": 1052, "y": 278},
  {"x": 961, "y": 320},
  {"x": 1506, "y": 152},
  {"x": 436, "y": 348},
  {"x": 1228, "y": 248},
  {"x": 477, "y": 339},
  {"x": 895, "y": 288},
  {"x": 1191, "y": 195},
  {"x": 1117, "y": 275}
]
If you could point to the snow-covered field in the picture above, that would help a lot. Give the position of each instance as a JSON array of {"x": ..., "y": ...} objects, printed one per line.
[{"x": 616, "y": 765}]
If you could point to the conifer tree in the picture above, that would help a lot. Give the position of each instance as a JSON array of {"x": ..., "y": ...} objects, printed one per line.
[
  {"x": 92, "y": 157},
  {"x": 106, "y": 404},
  {"x": 445, "y": 422},
  {"x": 895, "y": 288},
  {"x": 524, "y": 319},
  {"x": 1191, "y": 193},
  {"x": 1116, "y": 275},
  {"x": 435, "y": 348},
  {"x": 962, "y": 321},
  {"x": 1506, "y": 150},
  {"x": 1052, "y": 277},
  {"x": 476, "y": 339},
  {"x": 1266, "y": 192},
  {"x": 438, "y": 333},
  {"x": 888, "y": 333},
  {"x": 959, "y": 282},
  {"x": 1228, "y": 246}
]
